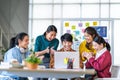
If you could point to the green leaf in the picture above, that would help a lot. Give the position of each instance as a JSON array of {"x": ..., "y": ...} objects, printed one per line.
[{"x": 33, "y": 59}]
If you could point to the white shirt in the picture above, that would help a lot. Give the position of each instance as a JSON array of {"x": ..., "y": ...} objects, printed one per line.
[{"x": 99, "y": 53}]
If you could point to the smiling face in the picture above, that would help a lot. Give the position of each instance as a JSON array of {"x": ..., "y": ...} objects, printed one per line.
[
  {"x": 24, "y": 43},
  {"x": 88, "y": 37},
  {"x": 97, "y": 46},
  {"x": 50, "y": 35},
  {"x": 67, "y": 45}
]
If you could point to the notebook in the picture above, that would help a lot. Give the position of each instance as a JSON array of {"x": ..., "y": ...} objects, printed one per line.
[{"x": 61, "y": 58}]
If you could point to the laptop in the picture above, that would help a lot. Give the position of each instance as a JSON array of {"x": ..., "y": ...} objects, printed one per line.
[{"x": 61, "y": 58}]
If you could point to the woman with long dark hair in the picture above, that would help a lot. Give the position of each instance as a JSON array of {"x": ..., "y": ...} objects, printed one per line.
[
  {"x": 18, "y": 53},
  {"x": 102, "y": 61},
  {"x": 86, "y": 46},
  {"x": 46, "y": 44}
]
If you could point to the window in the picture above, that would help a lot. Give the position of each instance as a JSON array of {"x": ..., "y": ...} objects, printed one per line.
[
  {"x": 90, "y": 11},
  {"x": 43, "y": 13}
]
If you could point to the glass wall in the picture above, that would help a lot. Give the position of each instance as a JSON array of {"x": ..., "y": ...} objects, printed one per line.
[{"x": 45, "y": 12}]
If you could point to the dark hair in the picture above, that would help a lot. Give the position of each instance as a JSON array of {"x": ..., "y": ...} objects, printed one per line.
[
  {"x": 100, "y": 40},
  {"x": 51, "y": 28},
  {"x": 67, "y": 37},
  {"x": 20, "y": 36},
  {"x": 91, "y": 31},
  {"x": 12, "y": 42}
]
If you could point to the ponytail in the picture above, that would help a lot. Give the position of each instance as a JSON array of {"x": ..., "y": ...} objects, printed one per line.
[
  {"x": 108, "y": 46},
  {"x": 100, "y": 40}
]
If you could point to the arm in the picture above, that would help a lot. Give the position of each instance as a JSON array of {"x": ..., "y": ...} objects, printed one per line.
[
  {"x": 39, "y": 53},
  {"x": 38, "y": 45},
  {"x": 56, "y": 44},
  {"x": 51, "y": 65},
  {"x": 81, "y": 60},
  {"x": 52, "y": 54},
  {"x": 10, "y": 55},
  {"x": 101, "y": 63},
  {"x": 88, "y": 56},
  {"x": 88, "y": 65},
  {"x": 54, "y": 48}
]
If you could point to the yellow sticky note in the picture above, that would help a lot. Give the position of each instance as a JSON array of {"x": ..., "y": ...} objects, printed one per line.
[
  {"x": 73, "y": 27},
  {"x": 94, "y": 23},
  {"x": 87, "y": 24},
  {"x": 65, "y": 60},
  {"x": 66, "y": 24}
]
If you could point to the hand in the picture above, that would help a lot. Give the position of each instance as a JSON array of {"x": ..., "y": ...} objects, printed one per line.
[
  {"x": 39, "y": 53},
  {"x": 47, "y": 50},
  {"x": 52, "y": 50},
  {"x": 91, "y": 53},
  {"x": 41, "y": 57},
  {"x": 36, "y": 54},
  {"x": 87, "y": 55},
  {"x": 14, "y": 61}
]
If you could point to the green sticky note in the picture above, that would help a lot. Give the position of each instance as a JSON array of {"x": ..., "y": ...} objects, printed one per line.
[
  {"x": 87, "y": 24},
  {"x": 73, "y": 27}
]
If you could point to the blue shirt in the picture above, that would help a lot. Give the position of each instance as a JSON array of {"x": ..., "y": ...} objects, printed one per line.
[
  {"x": 42, "y": 43},
  {"x": 14, "y": 53}
]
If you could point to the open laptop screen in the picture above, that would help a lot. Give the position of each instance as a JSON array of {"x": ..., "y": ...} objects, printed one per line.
[{"x": 61, "y": 58}]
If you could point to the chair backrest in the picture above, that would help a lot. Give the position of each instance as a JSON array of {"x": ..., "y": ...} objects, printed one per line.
[{"x": 115, "y": 71}]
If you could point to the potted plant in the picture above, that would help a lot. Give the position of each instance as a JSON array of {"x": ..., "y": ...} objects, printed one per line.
[
  {"x": 2, "y": 53},
  {"x": 32, "y": 61}
]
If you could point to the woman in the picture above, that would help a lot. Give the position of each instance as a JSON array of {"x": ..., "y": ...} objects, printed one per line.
[
  {"x": 12, "y": 42},
  {"x": 67, "y": 41},
  {"x": 17, "y": 53},
  {"x": 86, "y": 46},
  {"x": 46, "y": 44},
  {"x": 102, "y": 61}
]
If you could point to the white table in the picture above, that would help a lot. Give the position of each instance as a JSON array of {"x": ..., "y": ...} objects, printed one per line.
[
  {"x": 52, "y": 73},
  {"x": 107, "y": 79}
]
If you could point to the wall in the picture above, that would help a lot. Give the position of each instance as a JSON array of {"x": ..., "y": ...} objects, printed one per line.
[{"x": 14, "y": 16}]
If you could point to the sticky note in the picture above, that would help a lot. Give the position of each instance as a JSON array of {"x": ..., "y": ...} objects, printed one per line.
[
  {"x": 66, "y": 24},
  {"x": 87, "y": 24},
  {"x": 73, "y": 27},
  {"x": 77, "y": 33},
  {"x": 68, "y": 31},
  {"x": 65, "y": 60},
  {"x": 83, "y": 30},
  {"x": 80, "y": 24},
  {"x": 94, "y": 23}
]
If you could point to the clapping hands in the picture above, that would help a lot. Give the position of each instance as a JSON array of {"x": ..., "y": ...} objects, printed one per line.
[{"x": 87, "y": 55}]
